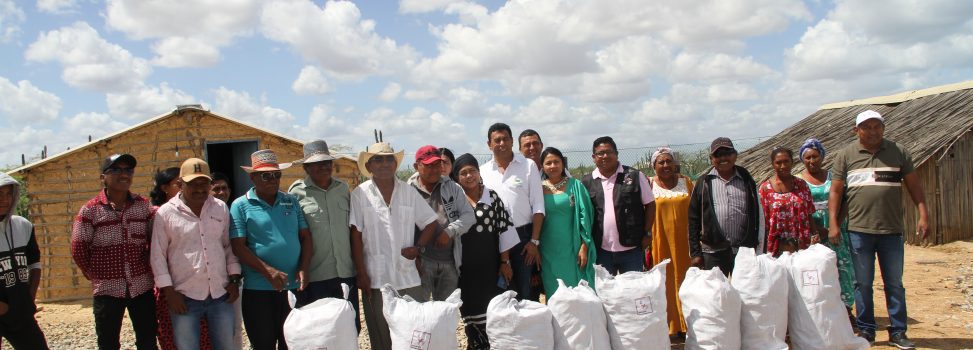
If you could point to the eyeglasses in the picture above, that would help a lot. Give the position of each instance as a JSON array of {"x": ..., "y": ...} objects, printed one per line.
[
  {"x": 116, "y": 171},
  {"x": 270, "y": 176},
  {"x": 604, "y": 154},
  {"x": 322, "y": 164}
]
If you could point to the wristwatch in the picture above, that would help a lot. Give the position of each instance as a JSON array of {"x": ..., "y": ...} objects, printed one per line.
[
  {"x": 536, "y": 242},
  {"x": 507, "y": 261},
  {"x": 235, "y": 280},
  {"x": 422, "y": 249}
]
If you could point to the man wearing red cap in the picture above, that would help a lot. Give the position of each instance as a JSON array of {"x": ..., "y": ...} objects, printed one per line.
[{"x": 440, "y": 263}]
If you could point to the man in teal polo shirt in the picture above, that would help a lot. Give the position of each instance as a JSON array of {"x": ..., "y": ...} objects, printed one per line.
[{"x": 271, "y": 239}]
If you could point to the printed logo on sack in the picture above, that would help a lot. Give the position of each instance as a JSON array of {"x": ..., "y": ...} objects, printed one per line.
[
  {"x": 420, "y": 340},
  {"x": 643, "y": 306},
  {"x": 810, "y": 278}
]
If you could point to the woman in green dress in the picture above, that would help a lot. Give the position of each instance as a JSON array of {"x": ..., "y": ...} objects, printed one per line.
[
  {"x": 819, "y": 181},
  {"x": 566, "y": 234}
]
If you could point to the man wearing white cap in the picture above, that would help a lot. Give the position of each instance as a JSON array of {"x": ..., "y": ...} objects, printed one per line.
[
  {"x": 873, "y": 171},
  {"x": 192, "y": 260},
  {"x": 272, "y": 241},
  {"x": 384, "y": 214}
]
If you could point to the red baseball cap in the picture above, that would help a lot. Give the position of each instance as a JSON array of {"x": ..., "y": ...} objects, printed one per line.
[{"x": 428, "y": 154}]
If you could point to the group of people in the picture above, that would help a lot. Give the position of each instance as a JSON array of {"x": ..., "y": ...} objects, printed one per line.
[{"x": 518, "y": 221}]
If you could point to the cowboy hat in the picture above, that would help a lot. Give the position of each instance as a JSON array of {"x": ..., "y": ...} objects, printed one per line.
[
  {"x": 264, "y": 160},
  {"x": 377, "y": 149},
  {"x": 315, "y": 151}
]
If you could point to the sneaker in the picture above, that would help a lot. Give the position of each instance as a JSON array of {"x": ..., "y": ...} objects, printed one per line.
[
  {"x": 868, "y": 335},
  {"x": 900, "y": 341}
]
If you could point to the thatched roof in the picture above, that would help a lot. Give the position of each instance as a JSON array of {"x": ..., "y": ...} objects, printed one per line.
[{"x": 922, "y": 121}]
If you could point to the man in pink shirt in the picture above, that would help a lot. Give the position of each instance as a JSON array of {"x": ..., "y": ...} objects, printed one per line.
[
  {"x": 624, "y": 209},
  {"x": 192, "y": 260}
]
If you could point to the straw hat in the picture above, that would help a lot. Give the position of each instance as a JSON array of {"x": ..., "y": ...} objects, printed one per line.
[
  {"x": 377, "y": 149},
  {"x": 264, "y": 160},
  {"x": 315, "y": 151}
]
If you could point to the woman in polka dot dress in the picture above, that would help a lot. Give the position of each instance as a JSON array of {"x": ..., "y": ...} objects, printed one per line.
[{"x": 485, "y": 248}]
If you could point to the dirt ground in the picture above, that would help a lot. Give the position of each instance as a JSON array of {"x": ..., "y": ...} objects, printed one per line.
[{"x": 938, "y": 281}]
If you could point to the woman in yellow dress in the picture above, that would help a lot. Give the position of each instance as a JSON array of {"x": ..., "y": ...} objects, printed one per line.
[{"x": 670, "y": 233}]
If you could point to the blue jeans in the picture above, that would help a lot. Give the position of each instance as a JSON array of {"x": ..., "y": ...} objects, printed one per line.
[
  {"x": 622, "y": 262},
  {"x": 439, "y": 278},
  {"x": 523, "y": 272},
  {"x": 890, "y": 249},
  {"x": 220, "y": 318}
]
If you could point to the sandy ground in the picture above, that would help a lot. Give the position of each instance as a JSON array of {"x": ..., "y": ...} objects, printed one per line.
[{"x": 938, "y": 280}]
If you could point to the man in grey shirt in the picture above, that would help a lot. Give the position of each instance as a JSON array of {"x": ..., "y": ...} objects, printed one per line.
[
  {"x": 440, "y": 262},
  {"x": 724, "y": 211}
]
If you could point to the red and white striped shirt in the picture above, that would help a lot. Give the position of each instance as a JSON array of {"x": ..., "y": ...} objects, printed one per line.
[{"x": 111, "y": 247}]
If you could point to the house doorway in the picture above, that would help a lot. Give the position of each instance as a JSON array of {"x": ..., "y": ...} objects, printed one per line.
[{"x": 227, "y": 157}]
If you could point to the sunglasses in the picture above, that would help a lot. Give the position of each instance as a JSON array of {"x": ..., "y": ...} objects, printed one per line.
[
  {"x": 722, "y": 152},
  {"x": 116, "y": 171},
  {"x": 270, "y": 176}
]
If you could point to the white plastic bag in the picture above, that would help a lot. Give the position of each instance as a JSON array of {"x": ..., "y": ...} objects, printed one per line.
[
  {"x": 327, "y": 323},
  {"x": 712, "y": 310},
  {"x": 579, "y": 316},
  {"x": 522, "y": 325},
  {"x": 814, "y": 272},
  {"x": 636, "y": 305},
  {"x": 763, "y": 284},
  {"x": 421, "y": 326}
]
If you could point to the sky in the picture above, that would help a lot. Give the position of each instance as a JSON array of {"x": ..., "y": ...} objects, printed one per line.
[{"x": 647, "y": 73}]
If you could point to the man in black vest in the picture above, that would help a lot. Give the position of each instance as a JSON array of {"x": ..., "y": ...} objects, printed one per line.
[
  {"x": 724, "y": 211},
  {"x": 624, "y": 209}
]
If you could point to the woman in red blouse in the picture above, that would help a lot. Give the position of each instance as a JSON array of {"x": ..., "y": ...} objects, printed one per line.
[{"x": 788, "y": 206}]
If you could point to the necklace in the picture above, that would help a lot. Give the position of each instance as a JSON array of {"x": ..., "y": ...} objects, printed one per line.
[{"x": 558, "y": 187}]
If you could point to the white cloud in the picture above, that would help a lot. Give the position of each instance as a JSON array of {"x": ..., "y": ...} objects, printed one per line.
[
  {"x": 687, "y": 67},
  {"x": 421, "y": 6},
  {"x": 185, "y": 52},
  {"x": 311, "y": 82},
  {"x": 24, "y": 103},
  {"x": 11, "y": 17},
  {"x": 390, "y": 92},
  {"x": 466, "y": 102},
  {"x": 239, "y": 105},
  {"x": 89, "y": 62},
  {"x": 146, "y": 102},
  {"x": 56, "y": 6},
  {"x": 420, "y": 95},
  {"x": 335, "y": 38},
  {"x": 27, "y": 141},
  {"x": 181, "y": 25},
  {"x": 95, "y": 124}
]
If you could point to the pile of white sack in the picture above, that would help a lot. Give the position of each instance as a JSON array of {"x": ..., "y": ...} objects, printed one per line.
[{"x": 767, "y": 299}]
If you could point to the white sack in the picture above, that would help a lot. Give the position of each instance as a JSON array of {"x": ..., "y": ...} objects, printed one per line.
[
  {"x": 328, "y": 323},
  {"x": 712, "y": 310},
  {"x": 814, "y": 272},
  {"x": 636, "y": 305},
  {"x": 421, "y": 326},
  {"x": 579, "y": 317},
  {"x": 522, "y": 325},
  {"x": 763, "y": 284}
]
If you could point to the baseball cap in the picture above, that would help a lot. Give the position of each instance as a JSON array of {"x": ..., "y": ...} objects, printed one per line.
[
  {"x": 428, "y": 154},
  {"x": 111, "y": 160},
  {"x": 193, "y": 168},
  {"x": 721, "y": 142},
  {"x": 866, "y": 115}
]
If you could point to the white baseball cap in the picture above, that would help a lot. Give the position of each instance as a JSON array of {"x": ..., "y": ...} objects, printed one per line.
[{"x": 866, "y": 115}]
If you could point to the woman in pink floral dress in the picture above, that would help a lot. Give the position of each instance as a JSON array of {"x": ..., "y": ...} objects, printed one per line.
[{"x": 788, "y": 207}]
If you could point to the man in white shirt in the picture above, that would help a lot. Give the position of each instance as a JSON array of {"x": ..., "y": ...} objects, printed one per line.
[
  {"x": 518, "y": 182},
  {"x": 384, "y": 214}
]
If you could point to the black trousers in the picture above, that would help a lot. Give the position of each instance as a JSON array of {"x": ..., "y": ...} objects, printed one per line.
[
  {"x": 23, "y": 334},
  {"x": 264, "y": 312},
  {"x": 521, "y": 281},
  {"x": 723, "y": 259},
  {"x": 108, "y": 320}
]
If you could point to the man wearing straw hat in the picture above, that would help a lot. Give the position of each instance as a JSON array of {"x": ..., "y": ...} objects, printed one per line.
[
  {"x": 271, "y": 239},
  {"x": 384, "y": 214},
  {"x": 324, "y": 200}
]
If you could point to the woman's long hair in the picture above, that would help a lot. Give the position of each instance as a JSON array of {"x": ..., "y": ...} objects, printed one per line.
[
  {"x": 162, "y": 177},
  {"x": 556, "y": 152}
]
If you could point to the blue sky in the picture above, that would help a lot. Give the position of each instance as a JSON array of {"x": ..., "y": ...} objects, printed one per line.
[{"x": 648, "y": 73}]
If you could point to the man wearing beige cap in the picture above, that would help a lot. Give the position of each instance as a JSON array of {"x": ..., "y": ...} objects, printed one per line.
[
  {"x": 384, "y": 214},
  {"x": 192, "y": 260},
  {"x": 272, "y": 241},
  {"x": 869, "y": 175}
]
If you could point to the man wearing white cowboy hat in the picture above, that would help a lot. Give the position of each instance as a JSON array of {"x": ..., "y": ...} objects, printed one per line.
[
  {"x": 384, "y": 214},
  {"x": 273, "y": 243},
  {"x": 324, "y": 200}
]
